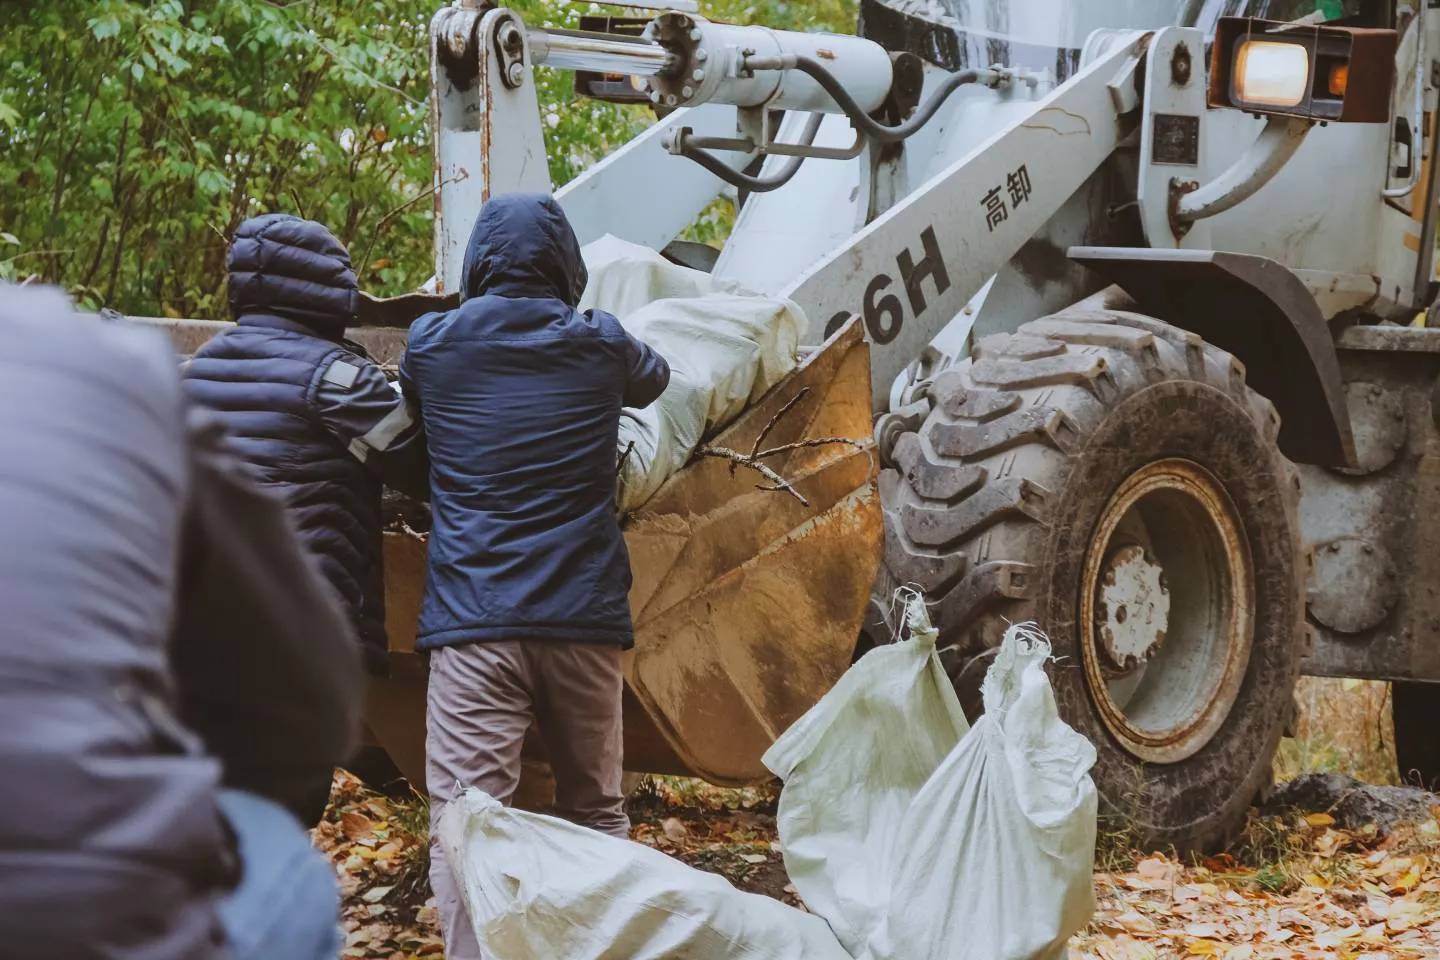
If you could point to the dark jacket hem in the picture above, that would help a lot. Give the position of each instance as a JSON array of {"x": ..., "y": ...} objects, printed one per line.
[{"x": 491, "y": 633}]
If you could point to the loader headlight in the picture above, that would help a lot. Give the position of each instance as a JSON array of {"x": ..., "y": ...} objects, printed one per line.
[
  {"x": 1270, "y": 74},
  {"x": 1313, "y": 71}
]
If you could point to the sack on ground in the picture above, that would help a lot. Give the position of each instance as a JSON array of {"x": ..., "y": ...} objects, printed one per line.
[
  {"x": 852, "y": 766},
  {"x": 911, "y": 835},
  {"x": 725, "y": 348},
  {"x": 910, "y": 849},
  {"x": 537, "y": 887}
]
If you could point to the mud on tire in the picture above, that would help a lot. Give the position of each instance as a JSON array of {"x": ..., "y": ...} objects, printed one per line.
[{"x": 993, "y": 502}]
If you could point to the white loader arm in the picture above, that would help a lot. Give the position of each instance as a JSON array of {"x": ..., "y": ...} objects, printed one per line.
[{"x": 908, "y": 273}]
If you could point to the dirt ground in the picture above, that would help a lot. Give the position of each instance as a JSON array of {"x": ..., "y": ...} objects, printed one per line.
[{"x": 1299, "y": 885}]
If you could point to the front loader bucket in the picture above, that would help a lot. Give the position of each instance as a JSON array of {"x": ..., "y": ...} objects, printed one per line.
[{"x": 747, "y": 602}]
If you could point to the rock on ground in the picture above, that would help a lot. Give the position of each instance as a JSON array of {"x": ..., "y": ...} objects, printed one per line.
[{"x": 1352, "y": 803}]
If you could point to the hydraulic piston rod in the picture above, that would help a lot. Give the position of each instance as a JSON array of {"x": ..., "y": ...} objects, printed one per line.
[
  {"x": 687, "y": 61},
  {"x": 600, "y": 53}
]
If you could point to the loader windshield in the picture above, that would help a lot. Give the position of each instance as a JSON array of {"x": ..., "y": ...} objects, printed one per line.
[
  {"x": 1048, "y": 35},
  {"x": 1043, "y": 35},
  {"x": 1368, "y": 13}
]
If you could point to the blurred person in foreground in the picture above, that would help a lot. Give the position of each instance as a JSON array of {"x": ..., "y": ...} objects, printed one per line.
[
  {"x": 526, "y": 607},
  {"x": 172, "y": 667}
]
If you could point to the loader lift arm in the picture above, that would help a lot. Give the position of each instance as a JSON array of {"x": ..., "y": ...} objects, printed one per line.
[{"x": 908, "y": 273}]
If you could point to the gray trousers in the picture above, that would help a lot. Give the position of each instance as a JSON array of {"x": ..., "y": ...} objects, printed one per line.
[{"x": 481, "y": 701}]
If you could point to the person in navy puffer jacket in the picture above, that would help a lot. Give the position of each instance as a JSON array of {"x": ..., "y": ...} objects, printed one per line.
[
  {"x": 313, "y": 417},
  {"x": 526, "y": 605}
]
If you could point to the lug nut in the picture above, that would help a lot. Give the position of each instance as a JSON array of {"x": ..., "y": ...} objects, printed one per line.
[
  {"x": 702, "y": 54},
  {"x": 670, "y": 99},
  {"x": 695, "y": 34},
  {"x": 697, "y": 75},
  {"x": 687, "y": 91},
  {"x": 654, "y": 96}
]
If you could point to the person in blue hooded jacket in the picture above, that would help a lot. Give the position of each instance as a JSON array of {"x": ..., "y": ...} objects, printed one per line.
[
  {"x": 526, "y": 608},
  {"x": 312, "y": 416},
  {"x": 313, "y": 419}
]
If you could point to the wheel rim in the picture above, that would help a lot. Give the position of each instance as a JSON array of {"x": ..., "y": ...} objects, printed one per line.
[{"x": 1166, "y": 610}]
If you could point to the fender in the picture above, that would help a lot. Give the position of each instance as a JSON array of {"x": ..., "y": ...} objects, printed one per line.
[{"x": 1259, "y": 311}]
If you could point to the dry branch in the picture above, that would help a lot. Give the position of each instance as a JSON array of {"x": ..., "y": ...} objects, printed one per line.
[
  {"x": 779, "y": 415},
  {"x": 745, "y": 460},
  {"x": 756, "y": 455}
]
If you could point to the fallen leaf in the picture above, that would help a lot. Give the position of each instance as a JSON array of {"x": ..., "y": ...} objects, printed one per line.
[
  {"x": 356, "y": 825},
  {"x": 674, "y": 830},
  {"x": 1406, "y": 914},
  {"x": 1319, "y": 819},
  {"x": 754, "y": 857},
  {"x": 1134, "y": 922},
  {"x": 1333, "y": 938},
  {"x": 375, "y": 894}
]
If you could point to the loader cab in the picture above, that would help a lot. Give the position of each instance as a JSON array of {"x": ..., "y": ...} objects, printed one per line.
[{"x": 1346, "y": 13}]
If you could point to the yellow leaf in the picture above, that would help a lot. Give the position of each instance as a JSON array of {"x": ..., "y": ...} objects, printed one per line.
[
  {"x": 1319, "y": 819},
  {"x": 1134, "y": 922},
  {"x": 1205, "y": 948},
  {"x": 1405, "y": 914},
  {"x": 1407, "y": 881},
  {"x": 1333, "y": 938}
]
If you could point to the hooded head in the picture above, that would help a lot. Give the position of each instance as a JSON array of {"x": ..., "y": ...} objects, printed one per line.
[
  {"x": 287, "y": 267},
  {"x": 522, "y": 246}
]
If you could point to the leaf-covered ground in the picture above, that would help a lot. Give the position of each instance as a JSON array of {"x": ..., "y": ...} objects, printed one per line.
[{"x": 1298, "y": 886}]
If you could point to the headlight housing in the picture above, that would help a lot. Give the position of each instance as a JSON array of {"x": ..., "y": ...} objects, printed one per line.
[{"x": 1323, "y": 73}]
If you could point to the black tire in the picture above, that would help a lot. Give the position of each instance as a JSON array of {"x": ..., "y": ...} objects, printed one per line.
[
  {"x": 994, "y": 500},
  {"x": 1417, "y": 732}
]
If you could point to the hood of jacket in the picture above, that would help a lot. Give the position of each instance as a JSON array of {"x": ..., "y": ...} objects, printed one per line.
[
  {"x": 522, "y": 246},
  {"x": 287, "y": 267}
]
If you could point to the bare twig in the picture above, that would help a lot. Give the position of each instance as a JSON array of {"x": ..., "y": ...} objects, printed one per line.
[
  {"x": 620, "y": 464},
  {"x": 801, "y": 444},
  {"x": 756, "y": 455},
  {"x": 381, "y": 223},
  {"x": 779, "y": 415},
  {"x": 735, "y": 457}
]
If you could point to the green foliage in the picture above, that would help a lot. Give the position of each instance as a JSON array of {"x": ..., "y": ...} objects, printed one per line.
[{"x": 138, "y": 134}]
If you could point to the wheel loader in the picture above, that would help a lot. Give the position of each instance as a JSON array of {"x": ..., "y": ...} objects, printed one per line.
[{"x": 1121, "y": 301}]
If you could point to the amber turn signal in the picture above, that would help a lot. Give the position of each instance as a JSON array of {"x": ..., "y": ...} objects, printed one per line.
[{"x": 1338, "y": 80}]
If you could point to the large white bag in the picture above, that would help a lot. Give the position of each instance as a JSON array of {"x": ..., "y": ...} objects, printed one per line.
[
  {"x": 852, "y": 766},
  {"x": 725, "y": 349},
  {"x": 913, "y": 838},
  {"x": 987, "y": 854},
  {"x": 540, "y": 888}
]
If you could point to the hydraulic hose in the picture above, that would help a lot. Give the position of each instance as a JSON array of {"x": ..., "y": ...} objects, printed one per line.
[
  {"x": 743, "y": 181},
  {"x": 863, "y": 121}
]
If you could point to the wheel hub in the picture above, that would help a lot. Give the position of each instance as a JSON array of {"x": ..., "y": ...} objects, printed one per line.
[
  {"x": 1133, "y": 608},
  {"x": 1167, "y": 607}
]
